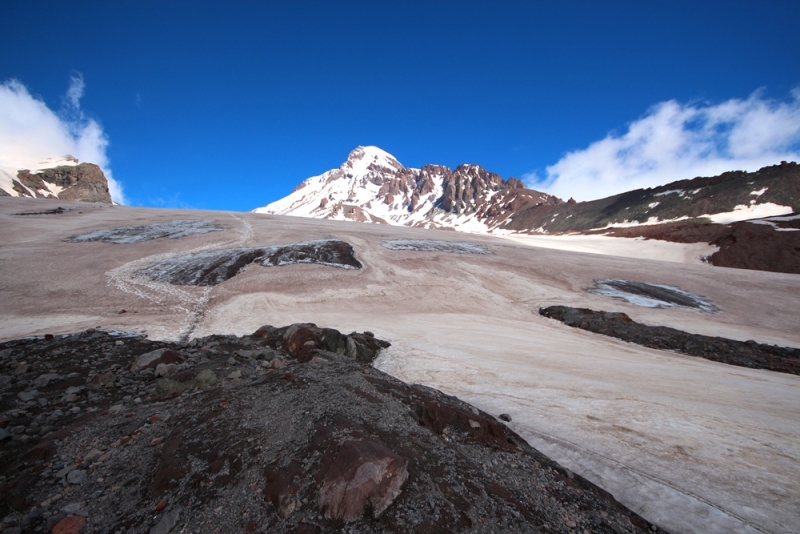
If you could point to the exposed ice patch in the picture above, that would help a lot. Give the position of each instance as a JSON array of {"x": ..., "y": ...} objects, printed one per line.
[
  {"x": 652, "y": 295},
  {"x": 214, "y": 267},
  {"x": 432, "y": 245},
  {"x": 147, "y": 232}
]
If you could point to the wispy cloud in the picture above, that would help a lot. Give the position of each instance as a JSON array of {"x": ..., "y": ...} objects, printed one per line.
[
  {"x": 31, "y": 132},
  {"x": 673, "y": 141}
]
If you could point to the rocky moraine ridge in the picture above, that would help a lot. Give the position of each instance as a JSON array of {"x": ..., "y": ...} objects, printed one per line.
[{"x": 287, "y": 430}]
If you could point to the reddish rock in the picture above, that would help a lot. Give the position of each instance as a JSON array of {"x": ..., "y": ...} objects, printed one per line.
[
  {"x": 70, "y": 525},
  {"x": 161, "y": 505},
  {"x": 361, "y": 474},
  {"x": 280, "y": 488},
  {"x": 296, "y": 338},
  {"x": 170, "y": 468}
]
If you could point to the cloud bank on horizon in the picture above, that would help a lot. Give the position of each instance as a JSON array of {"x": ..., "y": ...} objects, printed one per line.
[
  {"x": 675, "y": 141},
  {"x": 31, "y": 132}
]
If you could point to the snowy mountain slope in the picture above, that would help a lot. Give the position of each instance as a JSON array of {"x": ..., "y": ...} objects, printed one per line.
[
  {"x": 61, "y": 178},
  {"x": 372, "y": 186}
]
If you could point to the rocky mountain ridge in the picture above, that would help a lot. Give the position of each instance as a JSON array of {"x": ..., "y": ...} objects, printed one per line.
[
  {"x": 67, "y": 180},
  {"x": 372, "y": 186},
  {"x": 730, "y": 197}
]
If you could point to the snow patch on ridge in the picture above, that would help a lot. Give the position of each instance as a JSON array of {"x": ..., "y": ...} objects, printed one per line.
[{"x": 754, "y": 211}]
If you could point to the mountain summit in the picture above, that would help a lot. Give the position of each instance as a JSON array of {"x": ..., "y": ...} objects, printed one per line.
[{"x": 372, "y": 186}]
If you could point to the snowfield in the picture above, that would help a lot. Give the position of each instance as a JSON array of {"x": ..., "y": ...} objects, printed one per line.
[{"x": 690, "y": 444}]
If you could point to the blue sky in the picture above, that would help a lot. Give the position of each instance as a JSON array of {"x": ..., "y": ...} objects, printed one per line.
[{"x": 229, "y": 105}]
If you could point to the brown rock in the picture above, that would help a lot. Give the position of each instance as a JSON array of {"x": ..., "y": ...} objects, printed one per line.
[
  {"x": 70, "y": 525},
  {"x": 361, "y": 474},
  {"x": 280, "y": 488},
  {"x": 296, "y": 338},
  {"x": 103, "y": 379}
]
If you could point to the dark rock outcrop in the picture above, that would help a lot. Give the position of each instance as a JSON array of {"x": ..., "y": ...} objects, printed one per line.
[
  {"x": 772, "y": 244},
  {"x": 619, "y": 325},
  {"x": 318, "y": 442}
]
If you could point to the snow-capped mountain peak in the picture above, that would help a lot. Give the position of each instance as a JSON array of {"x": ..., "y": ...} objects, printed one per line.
[
  {"x": 365, "y": 158},
  {"x": 373, "y": 186}
]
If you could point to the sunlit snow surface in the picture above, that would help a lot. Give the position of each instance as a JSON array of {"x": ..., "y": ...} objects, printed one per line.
[
  {"x": 146, "y": 232},
  {"x": 652, "y": 295},
  {"x": 431, "y": 245}
]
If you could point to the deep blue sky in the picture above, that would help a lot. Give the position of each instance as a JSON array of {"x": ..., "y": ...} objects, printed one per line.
[{"x": 229, "y": 105}]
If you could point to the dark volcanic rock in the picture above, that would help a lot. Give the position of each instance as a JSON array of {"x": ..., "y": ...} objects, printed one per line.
[
  {"x": 325, "y": 444},
  {"x": 619, "y": 325},
  {"x": 147, "y": 232},
  {"x": 759, "y": 246},
  {"x": 652, "y": 295},
  {"x": 56, "y": 211},
  {"x": 214, "y": 267}
]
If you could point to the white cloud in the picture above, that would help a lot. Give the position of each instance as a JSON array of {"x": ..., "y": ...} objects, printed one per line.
[
  {"x": 674, "y": 141},
  {"x": 30, "y": 132}
]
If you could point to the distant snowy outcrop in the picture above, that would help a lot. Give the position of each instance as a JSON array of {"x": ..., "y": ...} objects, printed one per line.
[{"x": 56, "y": 178}]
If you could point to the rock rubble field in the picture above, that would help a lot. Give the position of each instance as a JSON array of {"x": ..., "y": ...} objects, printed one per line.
[{"x": 286, "y": 430}]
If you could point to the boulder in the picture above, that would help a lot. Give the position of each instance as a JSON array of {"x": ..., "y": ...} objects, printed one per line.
[
  {"x": 205, "y": 378},
  {"x": 153, "y": 358},
  {"x": 361, "y": 475}
]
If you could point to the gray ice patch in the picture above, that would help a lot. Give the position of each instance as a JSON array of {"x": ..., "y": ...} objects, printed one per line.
[
  {"x": 147, "y": 232},
  {"x": 430, "y": 245},
  {"x": 652, "y": 295}
]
